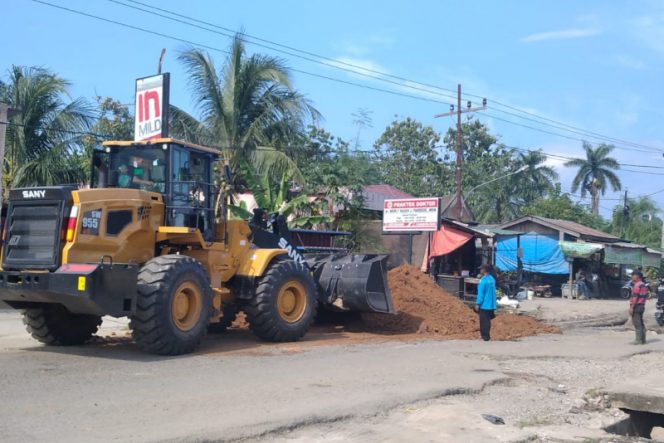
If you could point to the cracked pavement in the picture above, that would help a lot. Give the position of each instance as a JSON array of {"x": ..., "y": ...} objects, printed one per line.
[{"x": 321, "y": 389}]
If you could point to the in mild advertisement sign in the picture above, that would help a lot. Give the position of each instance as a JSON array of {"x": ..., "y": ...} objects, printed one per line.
[{"x": 151, "y": 107}]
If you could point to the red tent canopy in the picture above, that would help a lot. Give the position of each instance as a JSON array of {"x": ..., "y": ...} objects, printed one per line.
[{"x": 446, "y": 240}]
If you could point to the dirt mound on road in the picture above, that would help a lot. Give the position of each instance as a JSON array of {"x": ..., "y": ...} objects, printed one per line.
[{"x": 425, "y": 308}]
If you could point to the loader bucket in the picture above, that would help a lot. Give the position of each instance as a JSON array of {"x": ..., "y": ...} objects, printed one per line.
[{"x": 352, "y": 282}]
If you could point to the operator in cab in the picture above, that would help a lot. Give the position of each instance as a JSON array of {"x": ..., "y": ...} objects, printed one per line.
[{"x": 136, "y": 174}]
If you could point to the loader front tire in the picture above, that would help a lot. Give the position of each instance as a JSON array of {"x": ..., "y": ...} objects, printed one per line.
[
  {"x": 284, "y": 305},
  {"x": 54, "y": 325},
  {"x": 173, "y": 306}
]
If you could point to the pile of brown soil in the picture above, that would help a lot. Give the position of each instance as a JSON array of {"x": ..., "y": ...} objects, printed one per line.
[{"x": 425, "y": 308}]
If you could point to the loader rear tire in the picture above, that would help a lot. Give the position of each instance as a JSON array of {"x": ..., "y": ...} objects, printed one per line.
[
  {"x": 173, "y": 306},
  {"x": 284, "y": 305},
  {"x": 55, "y": 325}
]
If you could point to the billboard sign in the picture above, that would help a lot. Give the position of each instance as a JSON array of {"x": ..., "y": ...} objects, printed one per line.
[
  {"x": 411, "y": 214},
  {"x": 151, "y": 114}
]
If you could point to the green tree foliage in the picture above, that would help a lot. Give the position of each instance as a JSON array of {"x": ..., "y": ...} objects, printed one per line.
[
  {"x": 640, "y": 223},
  {"x": 407, "y": 156},
  {"x": 328, "y": 162},
  {"x": 334, "y": 173},
  {"x": 492, "y": 198},
  {"x": 539, "y": 178},
  {"x": 115, "y": 122},
  {"x": 560, "y": 206},
  {"x": 44, "y": 144},
  {"x": 483, "y": 157},
  {"x": 596, "y": 172},
  {"x": 281, "y": 198},
  {"x": 248, "y": 107}
]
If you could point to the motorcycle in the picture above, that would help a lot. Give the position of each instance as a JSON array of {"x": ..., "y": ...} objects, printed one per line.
[
  {"x": 659, "y": 313},
  {"x": 626, "y": 290}
]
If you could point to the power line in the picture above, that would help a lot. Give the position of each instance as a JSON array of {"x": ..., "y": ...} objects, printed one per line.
[
  {"x": 567, "y": 158},
  {"x": 58, "y": 130},
  {"x": 332, "y": 64},
  {"x": 335, "y": 64},
  {"x": 291, "y": 147},
  {"x": 608, "y": 138},
  {"x": 635, "y": 146},
  {"x": 557, "y": 133},
  {"x": 213, "y": 48}
]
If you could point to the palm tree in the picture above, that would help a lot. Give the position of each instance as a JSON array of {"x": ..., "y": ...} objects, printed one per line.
[
  {"x": 248, "y": 108},
  {"x": 595, "y": 173},
  {"x": 44, "y": 144},
  {"x": 537, "y": 179},
  {"x": 638, "y": 221}
]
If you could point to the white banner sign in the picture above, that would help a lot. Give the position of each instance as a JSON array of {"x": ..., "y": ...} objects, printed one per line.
[
  {"x": 412, "y": 214},
  {"x": 151, "y": 114}
]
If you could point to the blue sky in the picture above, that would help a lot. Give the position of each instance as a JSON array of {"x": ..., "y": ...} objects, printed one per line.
[{"x": 597, "y": 65}]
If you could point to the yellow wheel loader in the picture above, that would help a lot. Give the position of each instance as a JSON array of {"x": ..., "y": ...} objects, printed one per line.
[{"x": 143, "y": 242}]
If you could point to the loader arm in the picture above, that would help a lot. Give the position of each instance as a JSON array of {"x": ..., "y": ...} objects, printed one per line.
[{"x": 347, "y": 282}]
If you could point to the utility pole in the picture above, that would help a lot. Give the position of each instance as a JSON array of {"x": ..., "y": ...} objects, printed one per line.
[
  {"x": 625, "y": 214},
  {"x": 4, "y": 121},
  {"x": 459, "y": 155},
  {"x": 459, "y": 143}
]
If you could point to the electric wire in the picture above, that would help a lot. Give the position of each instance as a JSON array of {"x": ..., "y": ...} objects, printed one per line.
[
  {"x": 356, "y": 70},
  {"x": 295, "y": 52}
]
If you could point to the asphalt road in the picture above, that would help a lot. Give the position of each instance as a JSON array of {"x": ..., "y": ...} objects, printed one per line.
[
  {"x": 112, "y": 391},
  {"x": 236, "y": 388}
]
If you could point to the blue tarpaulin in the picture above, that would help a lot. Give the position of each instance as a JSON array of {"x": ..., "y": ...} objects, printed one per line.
[{"x": 541, "y": 253}]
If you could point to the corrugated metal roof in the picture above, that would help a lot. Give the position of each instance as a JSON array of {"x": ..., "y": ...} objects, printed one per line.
[
  {"x": 654, "y": 251},
  {"x": 628, "y": 245},
  {"x": 375, "y": 195},
  {"x": 498, "y": 231},
  {"x": 576, "y": 229},
  {"x": 476, "y": 229}
]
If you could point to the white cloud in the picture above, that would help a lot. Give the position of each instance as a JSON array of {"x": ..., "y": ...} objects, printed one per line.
[
  {"x": 353, "y": 48},
  {"x": 628, "y": 61},
  {"x": 561, "y": 34},
  {"x": 362, "y": 66},
  {"x": 358, "y": 47}
]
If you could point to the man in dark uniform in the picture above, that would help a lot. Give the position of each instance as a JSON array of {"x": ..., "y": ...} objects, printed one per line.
[{"x": 637, "y": 305}]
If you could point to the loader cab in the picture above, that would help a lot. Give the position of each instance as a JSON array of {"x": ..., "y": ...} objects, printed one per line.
[{"x": 182, "y": 172}]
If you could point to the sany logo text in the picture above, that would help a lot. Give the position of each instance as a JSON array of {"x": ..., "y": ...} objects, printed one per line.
[
  {"x": 292, "y": 252},
  {"x": 34, "y": 193}
]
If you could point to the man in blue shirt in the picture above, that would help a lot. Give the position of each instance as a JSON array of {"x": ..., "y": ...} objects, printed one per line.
[{"x": 485, "y": 305}]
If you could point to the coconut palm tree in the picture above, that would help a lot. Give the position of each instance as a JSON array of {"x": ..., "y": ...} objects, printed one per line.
[
  {"x": 638, "y": 221},
  {"x": 596, "y": 173},
  {"x": 537, "y": 179},
  {"x": 248, "y": 108},
  {"x": 44, "y": 142}
]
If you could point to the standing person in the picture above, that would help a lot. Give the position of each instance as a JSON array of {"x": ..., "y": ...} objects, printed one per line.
[
  {"x": 637, "y": 305},
  {"x": 485, "y": 305}
]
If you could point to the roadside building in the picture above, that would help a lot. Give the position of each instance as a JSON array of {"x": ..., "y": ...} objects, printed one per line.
[
  {"x": 403, "y": 248},
  {"x": 559, "y": 251}
]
